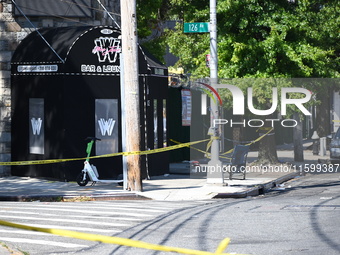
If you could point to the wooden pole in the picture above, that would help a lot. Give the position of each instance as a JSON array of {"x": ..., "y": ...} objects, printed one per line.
[{"x": 131, "y": 88}]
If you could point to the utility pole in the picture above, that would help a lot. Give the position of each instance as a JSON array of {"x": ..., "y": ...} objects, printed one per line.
[
  {"x": 131, "y": 92},
  {"x": 215, "y": 166}
]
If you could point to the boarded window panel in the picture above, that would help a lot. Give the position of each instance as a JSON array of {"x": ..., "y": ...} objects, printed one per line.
[
  {"x": 155, "y": 121},
  {"x": 63, "y": 8},
  {"x": 106, "y": 122},
  {"x": 36, "y": 126},
  {"x": 164, "y": 124}
]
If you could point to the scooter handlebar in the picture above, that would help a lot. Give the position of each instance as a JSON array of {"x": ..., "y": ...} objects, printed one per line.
[{"x": 92, "y": 139}]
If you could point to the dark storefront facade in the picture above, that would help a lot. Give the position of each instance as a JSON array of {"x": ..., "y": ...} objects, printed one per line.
[{"x": 71, "y": 90}]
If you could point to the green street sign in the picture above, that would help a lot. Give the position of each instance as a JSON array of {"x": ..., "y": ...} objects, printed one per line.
[{"x": 197, "y": 27}]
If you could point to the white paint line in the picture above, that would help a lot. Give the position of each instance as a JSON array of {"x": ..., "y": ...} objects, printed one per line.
[
  {"x": 23, "y": 232},
  {"x": 42, "y": 242},
  {"x": 80, "y": 229},
  {"x": 87, "y": 211},
  {"x": 87, "y": 222},
  {"x": 157, "y": 205},
  {"x": 72, "y": 216}
]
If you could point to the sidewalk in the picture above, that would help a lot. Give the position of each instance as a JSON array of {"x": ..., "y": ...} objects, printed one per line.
[{"x": 175, "y": 186}]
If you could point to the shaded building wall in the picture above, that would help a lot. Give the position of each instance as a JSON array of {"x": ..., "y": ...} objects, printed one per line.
[{"x": 176, "y": 130}]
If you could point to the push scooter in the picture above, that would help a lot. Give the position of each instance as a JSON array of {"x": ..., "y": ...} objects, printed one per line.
[{"x": 90, "y": 172}]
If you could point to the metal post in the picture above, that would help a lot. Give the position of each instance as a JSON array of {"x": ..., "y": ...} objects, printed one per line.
[
  {"x": 214, "y": 174},
  {"x": 322, "y": 146}
]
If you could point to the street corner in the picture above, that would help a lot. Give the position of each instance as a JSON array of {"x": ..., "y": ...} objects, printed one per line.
[{"x": 6, "y": 249}]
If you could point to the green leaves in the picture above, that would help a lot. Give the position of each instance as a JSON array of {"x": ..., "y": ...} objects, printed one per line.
[
  {"x": 262, "y": 38},
  {"x": 256, "y": 38}
]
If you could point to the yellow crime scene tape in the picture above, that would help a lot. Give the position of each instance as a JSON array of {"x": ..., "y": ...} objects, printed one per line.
[
  {"x": 252, "y": 142},
  {"x": 51, "y": 161},
  {"x": 229, "y": 151},
  {"x": 173, "y": 147},
  {"x": 120, "y": 240}
]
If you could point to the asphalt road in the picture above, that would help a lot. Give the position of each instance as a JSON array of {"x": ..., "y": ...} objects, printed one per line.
[
  {"x": 301, "y": 217},
  {"x": 107, "y": 218}
]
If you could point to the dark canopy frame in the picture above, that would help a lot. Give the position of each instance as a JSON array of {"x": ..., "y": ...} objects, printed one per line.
[{"x": 70, "y": 76}]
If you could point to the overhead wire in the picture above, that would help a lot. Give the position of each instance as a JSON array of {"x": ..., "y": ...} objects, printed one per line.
[
  {"x": 73, "y": 20},
  {"x": 67, "y": 12},
  {"x": 93, "y": 8},
  {"x": 96, "y": 9},
  {"x": 56, "y": 16},
  {"x": 108, "y": 13},
  {"x": 36, "y": 29},
  {"x": 100, "y": 3},
  {"x": 63, "y": 18}
]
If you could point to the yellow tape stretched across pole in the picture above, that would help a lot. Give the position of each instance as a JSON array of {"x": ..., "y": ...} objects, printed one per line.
[
  {"x": 255, "y": 141},
  {"x": 206, "y": 153},
  {"x": 118, "y": 240},
  {"x": 229, "y": 151},
  {"x": 173, "y": 147},
  {"x": 52, "y": 161}
]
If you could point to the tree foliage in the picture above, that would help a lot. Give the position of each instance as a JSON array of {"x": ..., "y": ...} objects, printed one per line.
[
  {"x": 256, "y": 38},
  {"x": 261, "y": 39},
  {"x": 151, "y": 15}
]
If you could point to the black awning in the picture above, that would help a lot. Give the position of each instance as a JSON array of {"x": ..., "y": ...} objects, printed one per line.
[
  {"x": 154, "y": 65},
  {"x": 78, "y": 50},
  {"x": 55, "y": 8},
  {"x": 33, "y": 49}
]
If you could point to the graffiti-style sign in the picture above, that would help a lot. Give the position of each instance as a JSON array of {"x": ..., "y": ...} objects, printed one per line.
[{"x": 107, "y": 48}]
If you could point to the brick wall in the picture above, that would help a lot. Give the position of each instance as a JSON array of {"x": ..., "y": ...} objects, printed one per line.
[{"x": 10, "y": 34}]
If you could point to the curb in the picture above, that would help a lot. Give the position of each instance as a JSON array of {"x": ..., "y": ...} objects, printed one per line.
[
  {"x": 254, "y": 190},
  {"x": 66, "y": 198},
  {"x": 258, "y": 189},
  {"x": 120, "y": 196},
  {"x": 9, "y": 249}
]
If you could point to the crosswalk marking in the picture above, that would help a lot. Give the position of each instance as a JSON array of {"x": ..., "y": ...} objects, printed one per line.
[
  {"x": 43, "y": 242},
  {"x": 126, "y": 208},
  {"x": 98, "y": 217},
  {"x": 158, "y": 206},
  {"x": 87, "y": 211},
  {"x": 81, "y": 229},
  {"x": 73, "y": 216},
  {"x": 89, "y": 222},
  {"x": 108, "y": 206},
  {"x": 23, "y": 232}
]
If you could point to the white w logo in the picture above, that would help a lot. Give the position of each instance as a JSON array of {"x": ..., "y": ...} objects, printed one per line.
[
  {"x": 106, "y": 126},
  {"x": 107, "y": 47},
  {"x": 36, "y": 125}
]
